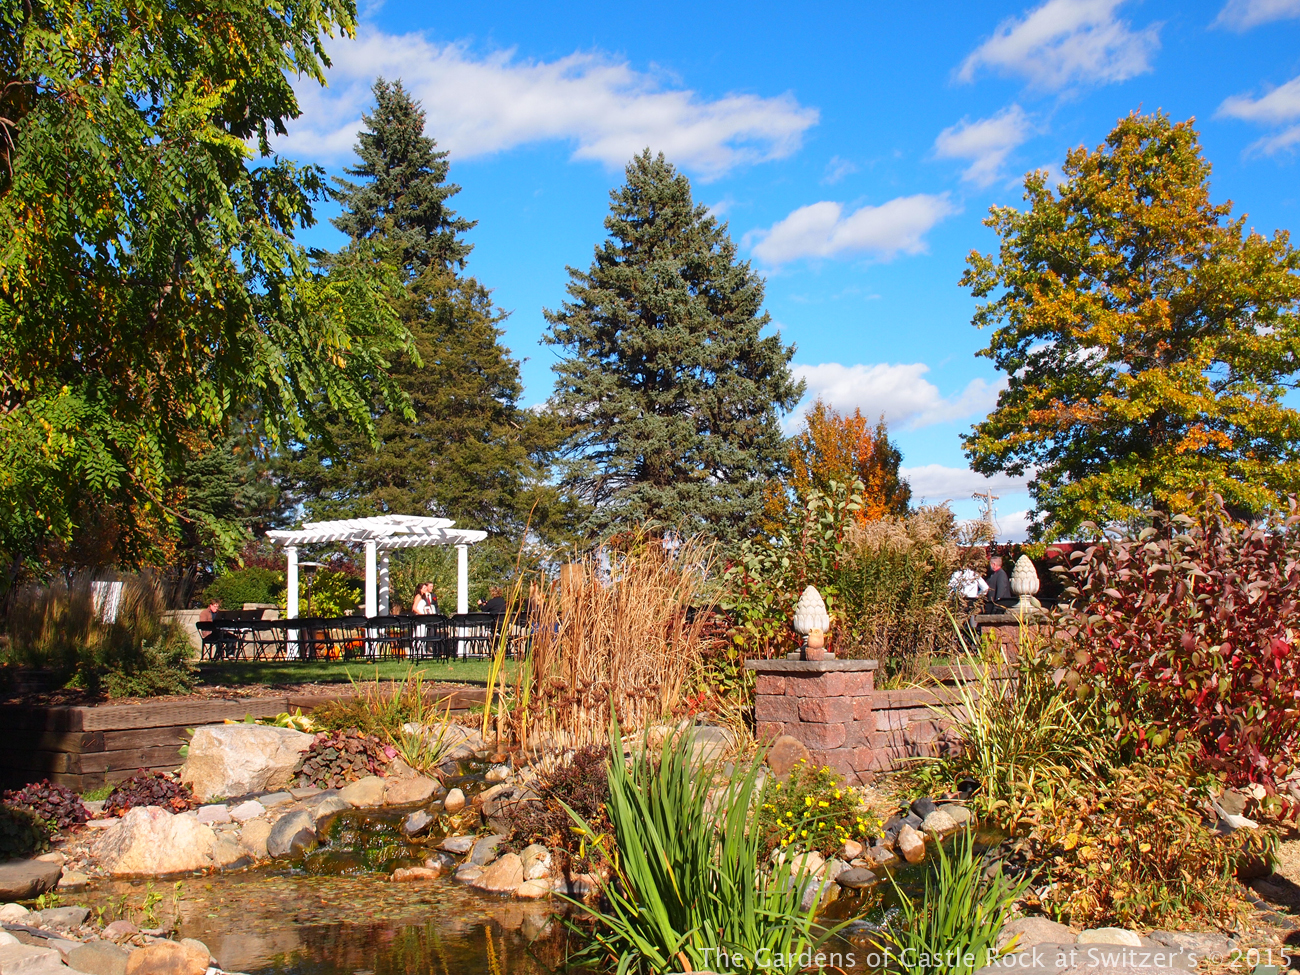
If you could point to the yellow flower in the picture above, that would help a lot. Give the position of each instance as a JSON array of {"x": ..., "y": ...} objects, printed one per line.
[
  {"x": 837, "y": 794},
  {"x": 807, "y": 800},
  {"x": 804, "y": 834},
  {"x": 823, "y": 803}
]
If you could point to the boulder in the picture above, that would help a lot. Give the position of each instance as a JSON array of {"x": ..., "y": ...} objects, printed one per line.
[
  {"x": 922, "y": 807},
  {"x": 457, "y": 844},
  {"x": 786, "y": 752},
  {"x": 273, "y": 799},
  {"x": 167, "y": 958},
  {"x": 851, "y": 850},
  {"x": 960, "y": 814},
  {"x": 247, "y": 810},
  {"x": 293, "y": 833},
  {"x": 911, "y": 845},
  {"x": 938, "y": 823},
  {"x": 236, "y": 759},
  {"x": 29, "y": 960},
  {"x": 21, "y": 880},
  {"x": 1031, "y": 931},
  {"x": 497, "y": 773},
  {"x": 407, "y": 874},
  {"x": 855, "y": 878},
  {"x": 64, "y": 917},
  {"x": 98, "y": 958},
  {"x": 329, "y": 806},
  {"x": 881, "y": 857},
  {"x": 417, "y": 822},
  {"x": 531, "y": 890},
  {"x": 468, "y": 873},
  {"x": 73, "y": 880},
  {"x": 119, "y": 930},
  {"x": 485, "y": 850},
  {"x": 226, "y": 852},
  {"x": 405, "y": 791},
  {"x": 1217, "y": 947},
  {"x": 365, "y": 792},
  {"x": 198, "y": 945},
  {"x": 148, "y": 840},
  {"x": 710, "y": 744},
  {"x": 1110, "y": 936},
  {"x": 213, "y": 815},
  {"x": 253, "y": 837},
  {"x": 537, "y": 861},
  {"x": 454, "y": 802},
  {"x": 8, "y": 939},
  {"x": 504, "y": 875},
  {"x": 14, "y": 914}
]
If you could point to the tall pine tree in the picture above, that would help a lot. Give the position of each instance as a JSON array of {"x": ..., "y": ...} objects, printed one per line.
[
  {"x": 471, "y": 453},
  {"x": 669, "y": 394}
]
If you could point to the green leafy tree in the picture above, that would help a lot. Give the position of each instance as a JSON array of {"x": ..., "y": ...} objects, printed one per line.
[
  {"x": 466, "y": 450},
  {"x": 669, "y": 393},
  {"x": 150, "y": 287},
  {"x": 1148, "y": 339}
]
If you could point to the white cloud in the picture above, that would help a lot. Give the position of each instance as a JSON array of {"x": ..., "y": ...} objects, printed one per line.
[
  {"x": 1282, "y": 104},
  {"x": 1066, "y": 41},
  {"x": 1013, "y": 527},
  {"x": 900, "y": 393},
  {"x": 481, "y": 104},
  {"x": 824, "y": 230},
  {"x": 985, "y": 142},
  {"x": 1242, "y": 15},
  {"x": 936, "y": 483},
  {"x": 1275, "y": 107},
  {"x": 837, "y": 169}
]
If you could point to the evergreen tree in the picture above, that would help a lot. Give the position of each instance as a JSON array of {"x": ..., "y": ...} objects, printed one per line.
[
  {"x": 403, "y": 201},
  {"x": 470, "y": 453},
  {"x": 669, "y": 393}
]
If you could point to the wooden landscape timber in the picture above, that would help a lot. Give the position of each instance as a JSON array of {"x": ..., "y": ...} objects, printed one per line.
[{"x": 85, "y": 747}]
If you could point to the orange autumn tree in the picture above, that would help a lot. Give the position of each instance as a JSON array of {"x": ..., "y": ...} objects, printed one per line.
[{"x": 843, "y": 448}]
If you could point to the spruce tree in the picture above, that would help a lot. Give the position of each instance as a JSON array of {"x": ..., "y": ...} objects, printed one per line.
[
  {"x": 403, "y": 201},
  {"x": 669, "y": 393},
  {"x": 471, "y": 453}
]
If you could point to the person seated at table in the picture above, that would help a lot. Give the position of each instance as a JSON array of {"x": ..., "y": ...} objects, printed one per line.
[
  {"x": 224, "y": 642},
  {"x": 496, "y": 604},
  {"x": 210, "y": 611}
]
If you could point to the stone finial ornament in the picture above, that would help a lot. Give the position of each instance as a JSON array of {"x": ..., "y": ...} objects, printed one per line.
[
  {"x": 1024, "y": 583},
  {"x": 810, "y": 613}
]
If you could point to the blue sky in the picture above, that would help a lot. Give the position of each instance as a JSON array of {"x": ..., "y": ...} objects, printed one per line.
[{"x": 854, "y": 150}]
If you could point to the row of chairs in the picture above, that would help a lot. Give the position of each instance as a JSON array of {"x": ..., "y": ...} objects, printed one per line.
[{"x": 357, "y": 638}]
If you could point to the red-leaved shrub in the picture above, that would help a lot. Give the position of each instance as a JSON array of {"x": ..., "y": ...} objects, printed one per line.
[{"x": 1190, "y": 630}]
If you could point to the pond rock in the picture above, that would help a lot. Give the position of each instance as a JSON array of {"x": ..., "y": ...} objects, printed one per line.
[
  {"x": 881, "y": 857},
  {"x": 119, "y": 930},
  {"x": 485, "y": 850},
  {"x": 1110, "y": 936},
  {"x": 786, "y": 752},
  {"x": 468, "y": 873},
  {"x": 404, "y": 792},
  {"x": 25, "y": 879},
  {"x": 29, "y": 960},
  {"x": 236, "y": 759},
  {"x": 253, "y": 837},
  {"x": 408, "y": 874},
  {"x": 454, "y": 802},
  {"x": 1210, "y": 944},
  {"x": 273, "y": 799},
  {"x": 922, "y": 807},
  {"x": 327, "y": 807},
  {"x": 498, "y": 773},
  {"x": 910, "y": 844},
  {"x": 63, "y": 917},
  {"x": 213, "y": 814},
  {"x": 226, "y": 853},
  {"x": 99, "y": 958},
  {"x": 1030, "y": 931},
  {"x": 851, "y": 850},
  {"x": 855, "y": 878},
  {"x": 457, "y": 844},
  {"x": 167, "y": 958},
  {"x": 503, "y": 875},
  {"x": 960, "y": 814},
  {"x": 292, "y": 833},
  {"x": 939, "y": 823},
  {"x": 537, "y": 861},
  {"x": 14, "y": 914},
  {"x": 151, "y": 841},
  {"x": 364, "y": 792},
  {"x": 417, "y": 822},
  {"x": 533, "y": 889}
]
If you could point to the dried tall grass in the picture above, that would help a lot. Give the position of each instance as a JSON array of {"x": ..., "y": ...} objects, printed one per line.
[{"x": 628, "y": 636}]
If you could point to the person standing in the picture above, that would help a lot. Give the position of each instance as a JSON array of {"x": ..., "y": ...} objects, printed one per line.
[{"x": 999, "y": 587}]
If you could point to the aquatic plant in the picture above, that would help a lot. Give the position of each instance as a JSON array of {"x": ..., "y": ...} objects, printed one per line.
[
  {"x": 689, "y": 879},
  {"x": 954, "y": 928}
]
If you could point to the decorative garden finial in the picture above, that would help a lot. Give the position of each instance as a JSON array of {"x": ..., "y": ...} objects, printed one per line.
[
  {"x": 1024, "y": 583},
  {"x": 812, "y": 621}
]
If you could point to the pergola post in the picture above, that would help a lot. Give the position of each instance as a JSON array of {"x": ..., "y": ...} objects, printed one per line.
[
  {"x": 291, "y": 596},
  {"x": 462, "y": 579},
  {"x": 383, "y": 583},
  {"x": 372, "y": 608}
]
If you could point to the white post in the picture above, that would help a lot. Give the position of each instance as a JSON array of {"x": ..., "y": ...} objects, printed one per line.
[
  {"x": 291, "y": 600},
  {"x": 370, "y": 579},
  {"x": 292, "y": 608},
  {"x": 383, "y": 584},
  {"x": 462, "y": 578}
]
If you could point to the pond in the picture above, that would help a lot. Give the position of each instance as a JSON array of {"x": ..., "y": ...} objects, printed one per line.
[{"x": 336, "y": 913}]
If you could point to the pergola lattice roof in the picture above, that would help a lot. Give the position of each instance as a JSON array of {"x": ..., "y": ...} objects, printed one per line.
[{"x": 386, "y": 531}]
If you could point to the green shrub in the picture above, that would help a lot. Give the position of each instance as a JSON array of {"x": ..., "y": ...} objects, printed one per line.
[
  {"x": 251, "y": 585},
  {"x": 689, "y": 880},
  {"x": 22, "y": 833},
  {"x": 138, "y": 654},
  {"x": 327, "y": 593},
  {"x": 954, "y": 929},
  {"x": 813, "y": 810}
]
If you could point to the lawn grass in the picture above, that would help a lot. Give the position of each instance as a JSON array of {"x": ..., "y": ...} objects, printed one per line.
[{"x": 245, "y": 672}]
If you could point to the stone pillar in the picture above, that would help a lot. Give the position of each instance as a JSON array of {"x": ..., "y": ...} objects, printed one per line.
[{"x": 826, "y": 704}]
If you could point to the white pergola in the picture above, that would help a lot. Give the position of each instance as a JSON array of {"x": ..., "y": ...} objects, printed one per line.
[{"x": 380, "y": 535}]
